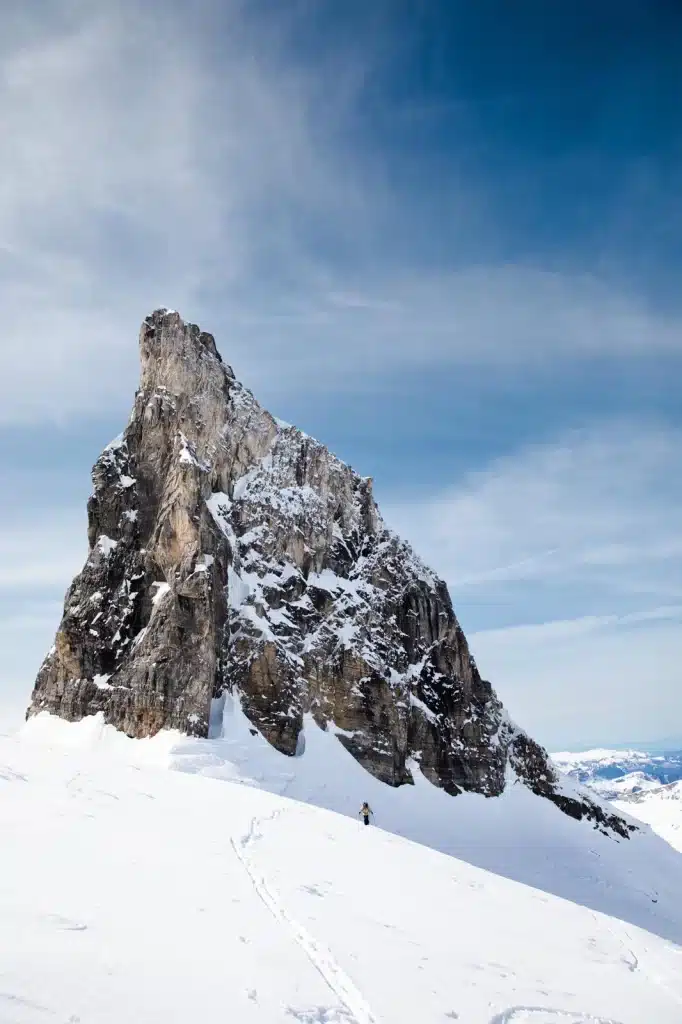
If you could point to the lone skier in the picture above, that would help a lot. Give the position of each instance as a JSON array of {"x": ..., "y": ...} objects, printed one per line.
[{"x": 366, "y": 812}]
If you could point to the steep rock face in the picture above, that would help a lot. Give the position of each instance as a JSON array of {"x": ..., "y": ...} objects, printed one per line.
[{"x": 230, "y": 551}]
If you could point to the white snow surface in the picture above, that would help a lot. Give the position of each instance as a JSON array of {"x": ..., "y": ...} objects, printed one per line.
[
  {"x": 661, "y": 808},
  {"x": 162, "y": 589},
  {"x": 106, "y": 545},
  {"x": 188, "y": 454},
  {"x": 130, "y": 892},
  {"x": 651, "y": 793}
]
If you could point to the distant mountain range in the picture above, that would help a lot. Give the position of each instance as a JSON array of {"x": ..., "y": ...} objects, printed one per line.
[
  {"x": 613, "y": 772},
  {"x": 647, "y": 786}
]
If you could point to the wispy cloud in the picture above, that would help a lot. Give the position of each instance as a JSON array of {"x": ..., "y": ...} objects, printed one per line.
[
  {"x": 574, "y": 629},
  {"x": 575, "y": 549},
  {"x": 596, "y": 680},
  {"x": 134, "y": 171},
  {"x": 339, "y": 333},
  {"x": 599, "y": 507},
  {"x": 142, "y": 165}
]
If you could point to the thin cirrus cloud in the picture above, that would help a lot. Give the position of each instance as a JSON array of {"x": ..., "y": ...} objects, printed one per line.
[
  {"x": 133, "y": 173},
  {"x": 75, "y": 361},
  {"x": 501, "y": 319},
  {"x": 591, "y": 682},
  {"x": 601, "y": 506},
  {"x": 583, "y": 536},
  {"x": 139, "y": 171}
]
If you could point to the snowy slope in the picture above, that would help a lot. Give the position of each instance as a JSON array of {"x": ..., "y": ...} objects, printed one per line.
[
  {"x": 132, "y": 893},
  {"x": 661, "y": 808},
  {"x": 646, "y": 786},
  {"x": 515, "y": 835}
]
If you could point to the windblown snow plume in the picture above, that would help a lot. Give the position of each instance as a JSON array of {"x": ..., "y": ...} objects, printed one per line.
[{"x": 231, "y": 552}]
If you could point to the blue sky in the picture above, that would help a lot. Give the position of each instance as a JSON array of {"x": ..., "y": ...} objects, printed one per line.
[{"x": 444, "y": 238}]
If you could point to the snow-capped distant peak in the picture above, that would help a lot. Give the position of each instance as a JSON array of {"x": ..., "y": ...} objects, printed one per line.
[
  {"x": 648, "y": 786},
  {"x": 601, "y": 756}
]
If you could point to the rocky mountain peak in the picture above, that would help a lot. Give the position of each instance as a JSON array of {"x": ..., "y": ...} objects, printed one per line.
[
  {"x": 231, "y": 552},
  {"x": 178, "y": 356}
]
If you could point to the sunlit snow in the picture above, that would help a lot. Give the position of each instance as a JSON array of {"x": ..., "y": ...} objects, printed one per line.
[{"x": 129, "y": 892}]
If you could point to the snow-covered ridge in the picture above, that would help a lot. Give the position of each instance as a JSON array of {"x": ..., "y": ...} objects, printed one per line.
[
  {"x": 600, "y": 756},
  {"x": 660, "y": 806},
  {"x": 646, "y": 786},
  {"x": 671, "y": 791}
]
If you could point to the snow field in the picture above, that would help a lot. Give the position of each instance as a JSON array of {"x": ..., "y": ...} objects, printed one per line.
[
  {"x": 132, "y": 892},
  {"x": 660, "y": 808}
]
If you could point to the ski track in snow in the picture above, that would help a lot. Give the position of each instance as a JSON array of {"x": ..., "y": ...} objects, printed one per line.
[
  {"x": 546, "y": 1015},
  {"x": 631, "y": 961},
  {"x": 355, "y": 1008}
]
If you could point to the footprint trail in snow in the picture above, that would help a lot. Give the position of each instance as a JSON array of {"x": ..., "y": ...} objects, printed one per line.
[{"x": 357, "y": 1011}]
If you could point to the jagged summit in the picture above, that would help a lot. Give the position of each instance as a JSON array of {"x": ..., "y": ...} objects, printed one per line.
[{"x": 229, "y": 551}]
